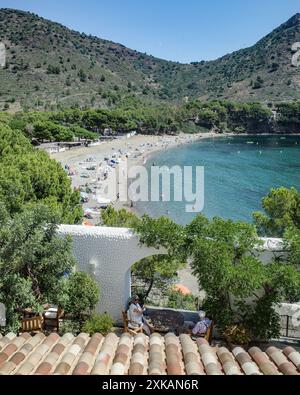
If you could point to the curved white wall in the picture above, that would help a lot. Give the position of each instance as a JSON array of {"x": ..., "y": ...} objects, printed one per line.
[{"x": 107, "y": 254}]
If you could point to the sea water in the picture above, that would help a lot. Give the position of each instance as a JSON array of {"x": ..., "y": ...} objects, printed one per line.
[{"x": 239, "y": 172}]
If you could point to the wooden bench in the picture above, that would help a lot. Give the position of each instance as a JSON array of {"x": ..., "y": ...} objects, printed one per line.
[
  {"x": 33, "y": 324},
  {"x": 51, "y": 318}
]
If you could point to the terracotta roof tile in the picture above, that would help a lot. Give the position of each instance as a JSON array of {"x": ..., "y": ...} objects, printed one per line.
[
  {"x": 248, "y": 366},
  {"x": 139, "y": 355},
  {"x": 51, "y": 359},
  {"x": 230, "y": 367},
  {"x": 122, "y": 357},
  {"x": 105, "y": 356},
  {"x": 71, "y": 355},
  {"x": 281, "y": 361},
  {"x": 192, "y": 360},
  {"x": 157, "y": 356},
  {"x": 263, "y": 362},
  {"x": 139, "y": 360},
  {"x": 293, "y": 356}
]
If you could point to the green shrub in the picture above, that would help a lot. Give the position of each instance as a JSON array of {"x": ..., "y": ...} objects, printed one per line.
[
  {"x": 98, "y": 324},
  {"x": 69, "y": 326},
  {"x": 176, "y": 300},
  {"x": 83, "y": 294}
]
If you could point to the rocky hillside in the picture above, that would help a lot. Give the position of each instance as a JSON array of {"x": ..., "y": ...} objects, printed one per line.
[{"x": 49, "y": 66}]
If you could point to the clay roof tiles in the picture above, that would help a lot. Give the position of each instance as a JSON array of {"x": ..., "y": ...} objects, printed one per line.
[{"x": 139, "y": 355}]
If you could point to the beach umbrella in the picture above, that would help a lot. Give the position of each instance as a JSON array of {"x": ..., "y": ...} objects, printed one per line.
[{"x": 87, "y": 223}]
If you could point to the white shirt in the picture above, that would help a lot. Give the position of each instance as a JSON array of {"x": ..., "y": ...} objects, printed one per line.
[{"x": 135, "y": 314}]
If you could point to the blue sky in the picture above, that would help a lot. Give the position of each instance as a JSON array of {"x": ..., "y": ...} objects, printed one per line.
[{"x": 180, "y": 30}]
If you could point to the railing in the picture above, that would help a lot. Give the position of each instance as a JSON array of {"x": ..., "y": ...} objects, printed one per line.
[{"x": 288, "y": 329}]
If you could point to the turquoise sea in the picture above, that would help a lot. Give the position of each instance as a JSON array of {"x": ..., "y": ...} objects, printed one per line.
[{"x": 239, "y": 171}]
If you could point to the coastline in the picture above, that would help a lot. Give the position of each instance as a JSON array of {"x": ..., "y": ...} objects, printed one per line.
[{"x": 139, "y": 149}]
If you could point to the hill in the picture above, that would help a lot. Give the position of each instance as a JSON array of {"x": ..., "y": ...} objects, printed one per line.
[{"x": 50, "y": 66}]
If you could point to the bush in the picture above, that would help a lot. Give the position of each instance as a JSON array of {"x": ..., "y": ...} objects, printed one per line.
[
  {"x": 83, "y": 294},
  {"x": 176, "y": 300},
  {"x": 69, "y": 326},
  {"x": 237, "y": 334},
  {"x": 98, "y": 324}
]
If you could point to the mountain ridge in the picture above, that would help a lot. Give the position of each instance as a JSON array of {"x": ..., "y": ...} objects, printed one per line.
[{"x": 50, "y": 66}]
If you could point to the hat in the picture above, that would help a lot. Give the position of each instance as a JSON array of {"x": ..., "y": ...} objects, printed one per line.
[
  {"x": 202, "y": 314},
  {"x": 134, "y": 298}
]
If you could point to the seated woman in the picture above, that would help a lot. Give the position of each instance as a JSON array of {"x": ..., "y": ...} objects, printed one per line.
[
  {"x": 202, "y": 325},
  {"x": 136, "y": 317}
]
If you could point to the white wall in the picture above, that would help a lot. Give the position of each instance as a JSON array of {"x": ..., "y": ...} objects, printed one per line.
[{"x": 107, "y": 254}]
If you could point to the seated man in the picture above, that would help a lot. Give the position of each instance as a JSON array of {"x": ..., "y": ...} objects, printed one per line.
[
  {"x": 135, "y": 315},
  {"x": 202, "y": 325}
]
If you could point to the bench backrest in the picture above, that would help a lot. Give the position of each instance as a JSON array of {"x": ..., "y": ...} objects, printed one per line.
[{"x": 32, "y": 324}]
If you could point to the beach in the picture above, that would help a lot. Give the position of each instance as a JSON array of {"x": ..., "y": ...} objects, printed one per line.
[{"x": 91, "y": 169}]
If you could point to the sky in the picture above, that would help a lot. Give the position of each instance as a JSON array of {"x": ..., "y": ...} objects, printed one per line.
[{"x": 178, "y": 30}]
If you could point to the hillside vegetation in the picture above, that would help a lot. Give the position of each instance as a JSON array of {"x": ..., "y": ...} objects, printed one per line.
[
  {"x": 196, "y": 116},
  {"x": 50, "y": 67}
]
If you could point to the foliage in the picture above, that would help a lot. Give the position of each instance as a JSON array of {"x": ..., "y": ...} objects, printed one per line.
[
  {"x": 33, "y": 261},
  {"x": 240, "y": 288},
  {"x": 292, "y": 244},
  {"x": 98, "y": 324},
  {"x": 83, "y": 294},
  {"x": 119, "y": 219},
  {"x": 282, "y": 210},
  {"x": 69, "y": 326},
  {"x": 162, "y": 232},
  {"x": 237, "y": 334},
  {"x": 176, "y": 300},
  {"x": 149, "y": 118},
  {"x": 158, "y": 271}
]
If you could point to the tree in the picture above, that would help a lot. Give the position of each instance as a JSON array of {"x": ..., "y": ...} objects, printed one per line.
[
  {"x": 282, "y": 210},
  {"x": 83, "y": 294},
  {"x": 82, "y": 75},
  {"x": 119, "y": 219},
  {"x": 51, "y": 69},
  {"x": 241, "y": 290},
  {"x": 158, "y": 270},
  {"x": 29, "y": 176},
  {"x": 33, "y": 261}
]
